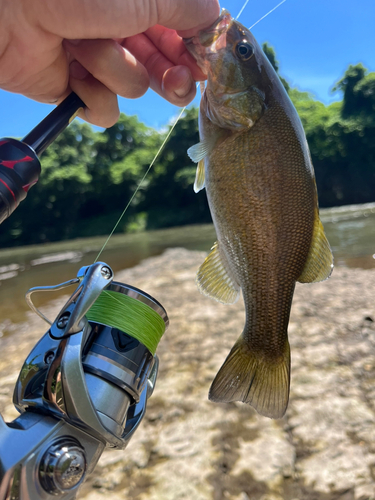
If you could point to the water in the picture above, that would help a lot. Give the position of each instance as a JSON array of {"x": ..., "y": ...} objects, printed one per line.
[
  {"x": 351, "y": 233},
  {"x": 350, "y": 230},
  {"x": 45, "y": 265}
]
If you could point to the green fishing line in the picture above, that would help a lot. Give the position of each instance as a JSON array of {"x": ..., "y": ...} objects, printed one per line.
[{"x": 129, "y": 315}]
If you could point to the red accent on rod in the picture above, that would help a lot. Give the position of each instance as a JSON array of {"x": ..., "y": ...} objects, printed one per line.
[
  {"x": 11, "y": 163},
  {"x": 26, "y": 187},
  {"x": 8, "y": 188}
]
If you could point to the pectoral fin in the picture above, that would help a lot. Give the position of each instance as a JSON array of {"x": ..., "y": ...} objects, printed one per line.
[
  {"x": 199, "y": 151},
  {"x": 197, "y": 154},
  {"x": 214, "y": 280},
  {"x": 319, "y": 263},
  {"x": 199, "y": 177}
]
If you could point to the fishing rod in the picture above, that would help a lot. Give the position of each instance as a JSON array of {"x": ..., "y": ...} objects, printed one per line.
[
  {"x": 19, "y": 163},
  {"x": 84, "y": 386}
]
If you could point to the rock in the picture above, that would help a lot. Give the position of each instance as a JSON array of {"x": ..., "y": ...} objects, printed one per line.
[
  {"x": 270, "y": 457},
  {"x": 188, "y": 448}
]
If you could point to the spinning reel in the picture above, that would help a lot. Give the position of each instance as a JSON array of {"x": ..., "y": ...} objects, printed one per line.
[{"x": 85, "y": 384}]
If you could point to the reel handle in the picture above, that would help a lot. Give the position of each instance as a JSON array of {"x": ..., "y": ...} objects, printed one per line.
[{"x": 19, "y": 164}]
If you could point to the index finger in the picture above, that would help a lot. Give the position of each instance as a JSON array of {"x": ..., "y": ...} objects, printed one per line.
[
  {"x": 119, "y": 18},
  {"x": 170, "y": 44}
]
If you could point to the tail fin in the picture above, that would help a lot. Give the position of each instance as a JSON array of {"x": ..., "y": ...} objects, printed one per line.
[{"x": 263, "y": 382}]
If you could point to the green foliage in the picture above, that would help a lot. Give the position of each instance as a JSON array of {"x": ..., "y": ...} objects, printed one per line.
[
  {"x": 347, "y": 84},
  {"x": 340, "y": 137},
  {"x": 271, "y": 55},
  {"x": 170, "y": 199},
  {"x": 88, "y": 177}
]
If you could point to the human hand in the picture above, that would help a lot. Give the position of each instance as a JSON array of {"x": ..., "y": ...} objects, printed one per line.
[{"x": 101, "y": 48}]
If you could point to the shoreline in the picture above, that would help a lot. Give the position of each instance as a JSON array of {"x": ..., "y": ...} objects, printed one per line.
[{"x": 190, "y": 448}]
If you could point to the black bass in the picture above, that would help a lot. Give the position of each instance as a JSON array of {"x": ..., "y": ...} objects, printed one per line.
[{"x": 254, "y": 161}]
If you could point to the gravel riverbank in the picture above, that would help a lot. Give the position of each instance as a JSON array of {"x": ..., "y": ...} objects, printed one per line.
[{"x": 189, "y": 448}]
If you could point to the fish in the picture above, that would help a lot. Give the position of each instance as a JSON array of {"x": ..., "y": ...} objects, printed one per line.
[{"x": 254, "y": 162}]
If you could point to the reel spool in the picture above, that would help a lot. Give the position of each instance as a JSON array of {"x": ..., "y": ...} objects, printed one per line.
[
  {"x": 131, "y": 310},
  {"x": 127, "y": 325}
]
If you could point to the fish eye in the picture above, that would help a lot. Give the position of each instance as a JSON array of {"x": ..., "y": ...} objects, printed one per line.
[{"x": 244, "y": 50}]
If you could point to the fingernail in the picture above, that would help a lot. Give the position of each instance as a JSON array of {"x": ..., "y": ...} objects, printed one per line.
[
  {"x": 184, "y": 89},
  {"x": 76, "y": 70}
]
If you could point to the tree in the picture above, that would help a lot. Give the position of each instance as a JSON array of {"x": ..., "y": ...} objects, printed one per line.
[
  {"x": 50, "y": 209},
  {"x": 122, "y": 155},
  {"x": 347, "y": 84},
  {"x": 89, "y": 177},
  {"x": 170, "y": 199}
]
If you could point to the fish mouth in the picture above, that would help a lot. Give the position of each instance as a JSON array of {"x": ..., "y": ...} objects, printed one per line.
[
  {"x": 209, "y": 40},
  {"x": 208, "y": 36}
]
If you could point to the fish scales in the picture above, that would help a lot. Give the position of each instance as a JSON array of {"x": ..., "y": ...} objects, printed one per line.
[
  {"x": 264, "y": 235},
  {"x": 256, "y": 167}
]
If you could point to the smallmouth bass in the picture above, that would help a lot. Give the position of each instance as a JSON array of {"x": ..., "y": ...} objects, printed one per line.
[{"x": 254, "y": 161}]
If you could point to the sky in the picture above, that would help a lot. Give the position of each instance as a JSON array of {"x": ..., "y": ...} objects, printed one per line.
[{"x": 315, "y": 41}]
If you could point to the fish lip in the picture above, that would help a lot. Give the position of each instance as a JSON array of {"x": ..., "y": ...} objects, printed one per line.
[
  {"x": 216, "y": 25},
  {"x": 213, "y": 29},
  {"x": 201, "y": 45}
]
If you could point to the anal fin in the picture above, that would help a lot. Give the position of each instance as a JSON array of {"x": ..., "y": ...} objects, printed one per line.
[
  {"x": 213, "y": 279},
  {"x": 261, "y": 381},
  {"x": 319, "y": 262}
]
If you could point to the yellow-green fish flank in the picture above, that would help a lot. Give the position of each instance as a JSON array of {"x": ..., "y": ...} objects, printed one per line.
[{"x": 254, "y": 161}]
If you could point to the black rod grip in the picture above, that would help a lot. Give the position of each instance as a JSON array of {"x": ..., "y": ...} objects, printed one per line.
[
  {"x": 53, "y": 124},
  {"x": 19, "y": 163}
]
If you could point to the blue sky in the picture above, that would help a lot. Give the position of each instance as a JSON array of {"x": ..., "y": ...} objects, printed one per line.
[{"x": 315, "y": 41}]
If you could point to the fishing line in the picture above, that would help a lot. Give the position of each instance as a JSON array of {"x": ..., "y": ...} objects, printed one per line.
[
  {"x": 243, "y": 8},
  {"x": 166, "y": 139},
  {"x": 129, "y": 315},
  {"x": 268, "y": 13},
  {"x": 140, "y": 183}
]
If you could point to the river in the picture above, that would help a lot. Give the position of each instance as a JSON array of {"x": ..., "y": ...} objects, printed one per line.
[{"x": 350, "y": 231}]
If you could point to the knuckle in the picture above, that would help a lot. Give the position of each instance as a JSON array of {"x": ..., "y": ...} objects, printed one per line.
[{"x": 154, "y": 61}]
